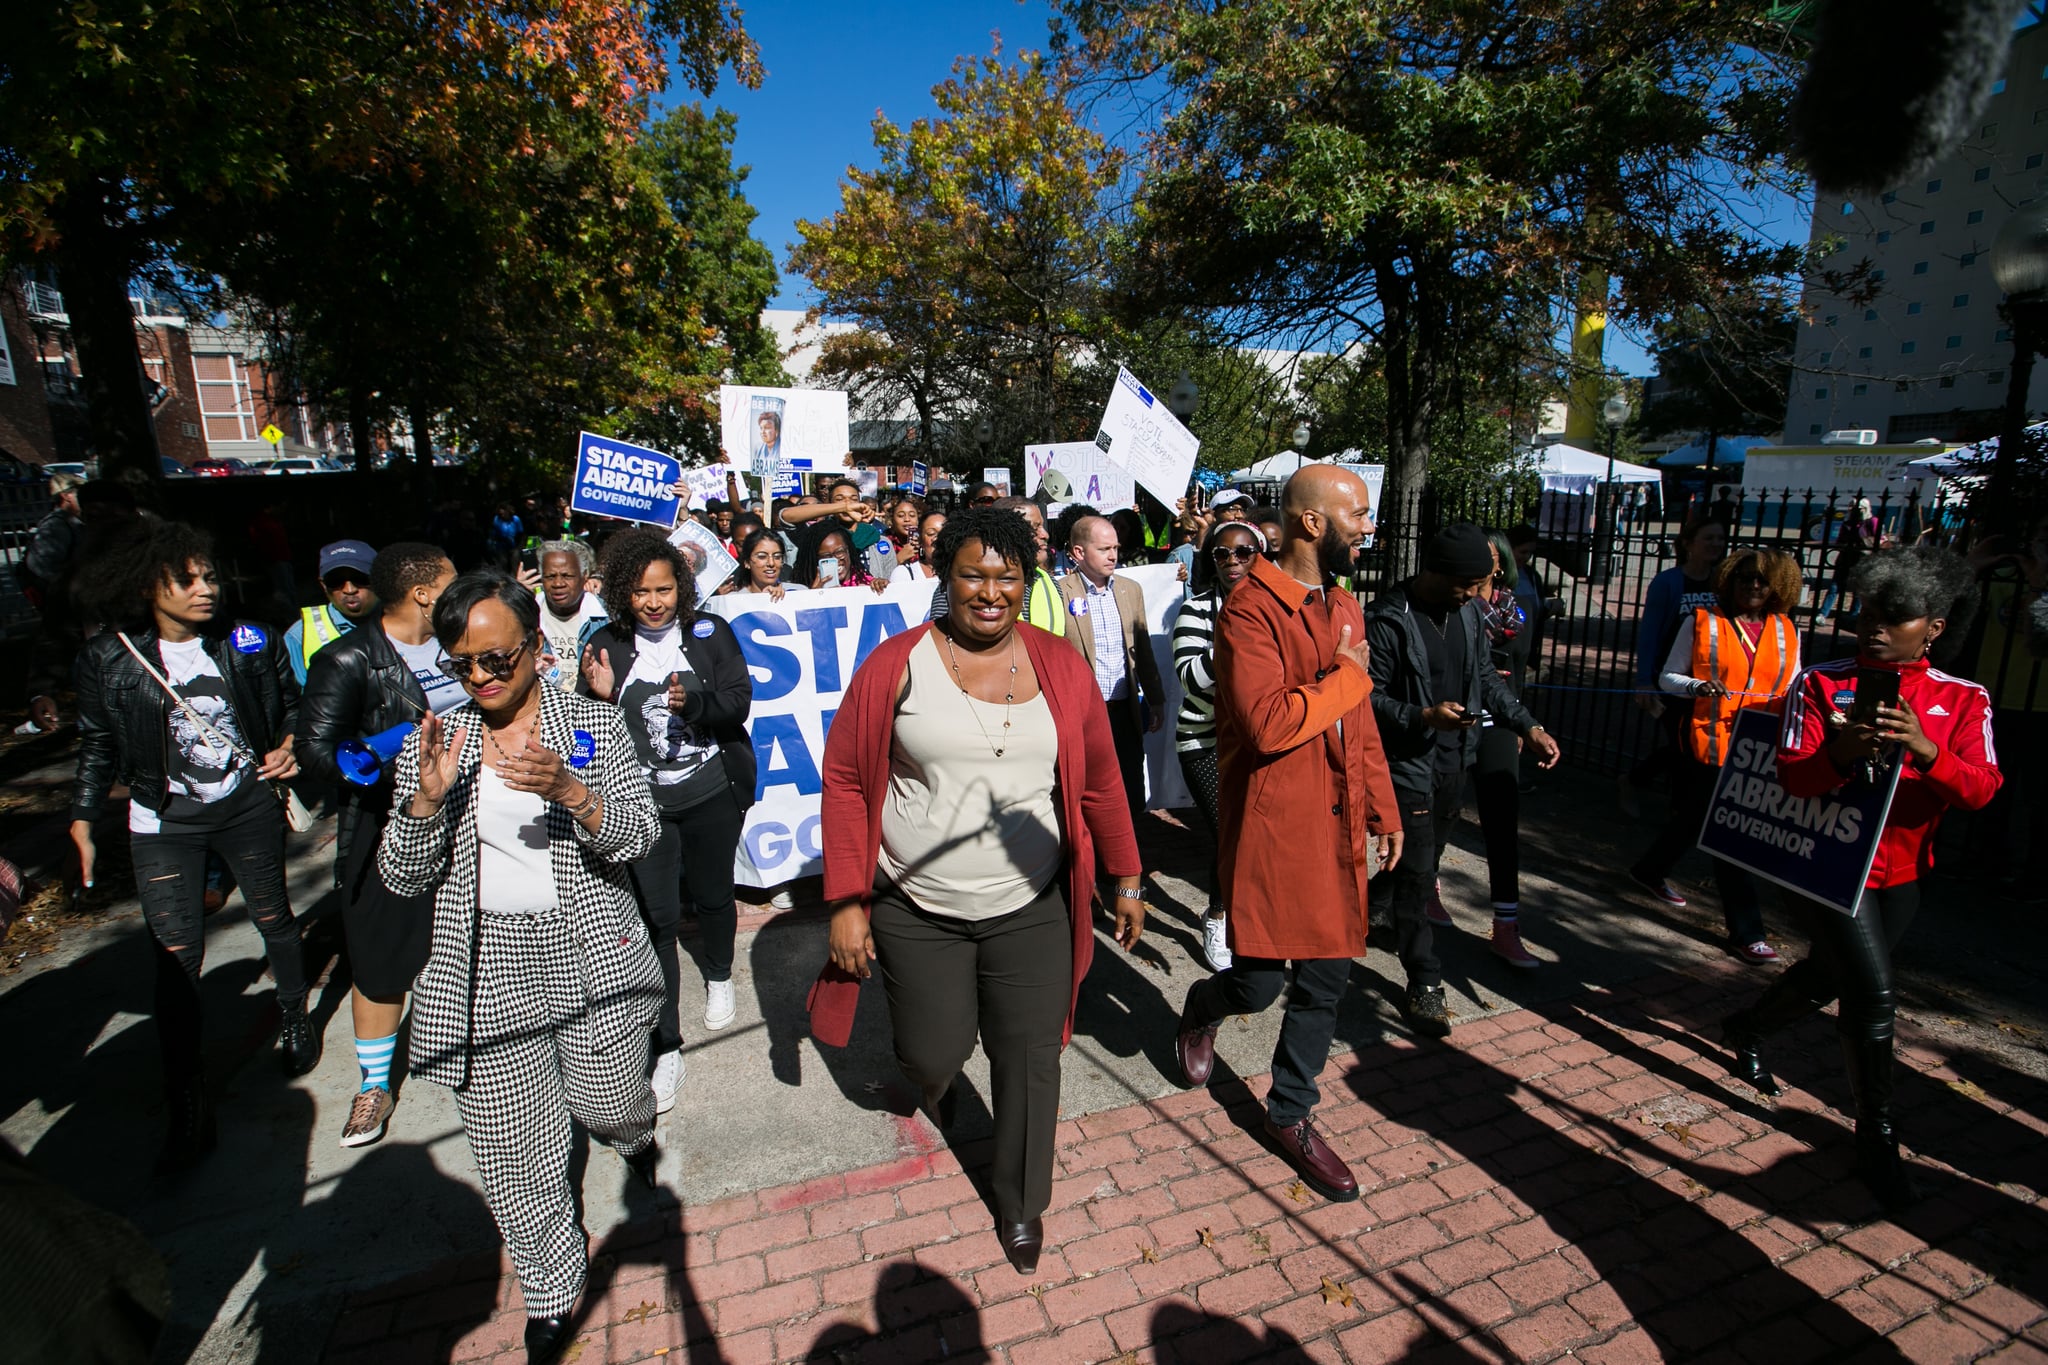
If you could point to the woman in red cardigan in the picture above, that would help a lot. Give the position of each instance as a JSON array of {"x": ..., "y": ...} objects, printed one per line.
[{"x": 970, "y": 790}]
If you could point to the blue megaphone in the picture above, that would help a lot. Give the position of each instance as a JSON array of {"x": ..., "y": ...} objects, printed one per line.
[{"x": 361, "y": 760}]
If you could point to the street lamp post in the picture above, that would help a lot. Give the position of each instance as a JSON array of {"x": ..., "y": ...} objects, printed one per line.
[
  {"x": 2019, "y": 264},
  {"x": 1615, "y": 412},
  {"x": 1301, "y": 434}
]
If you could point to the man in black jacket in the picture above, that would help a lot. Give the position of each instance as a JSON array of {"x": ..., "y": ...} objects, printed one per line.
[
  {"x": 363, "y": 684},
  {"x": 1433, "y": 682}
]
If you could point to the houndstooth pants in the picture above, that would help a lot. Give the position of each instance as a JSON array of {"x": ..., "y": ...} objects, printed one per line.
[{"x": 532, "y": 1069}]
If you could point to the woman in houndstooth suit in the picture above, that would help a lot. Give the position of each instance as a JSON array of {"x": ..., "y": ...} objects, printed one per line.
[{"x": 519, "y": 810}]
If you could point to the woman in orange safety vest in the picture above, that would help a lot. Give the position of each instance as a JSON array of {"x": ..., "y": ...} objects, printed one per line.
[{"x": 1738, "y": 655}]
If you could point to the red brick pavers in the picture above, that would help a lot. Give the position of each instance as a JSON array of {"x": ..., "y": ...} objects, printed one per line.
[{"x": 1574, "y": 1180}]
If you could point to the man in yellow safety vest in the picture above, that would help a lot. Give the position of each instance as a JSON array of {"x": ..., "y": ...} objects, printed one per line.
[{"x": 345, "y": 578}]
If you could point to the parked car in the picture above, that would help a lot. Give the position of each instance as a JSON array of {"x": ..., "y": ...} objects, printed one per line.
[
  {"x": 51, "y": 471},
  {"x": 173, "y": 469},
  {"x": 294, "y": 465},
  {"x": 219, "y": 468}
]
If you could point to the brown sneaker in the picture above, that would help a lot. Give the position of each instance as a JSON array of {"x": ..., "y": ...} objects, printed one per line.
[
  {"x": 367, "y": 1117},
  {"x": 1321, "y": 1169}
]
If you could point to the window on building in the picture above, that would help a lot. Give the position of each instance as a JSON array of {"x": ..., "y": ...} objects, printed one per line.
[
  {"x": 1883, "y": 237},
  {"x": 1954, "y": 343},
  {"x": 1961, "y": 301},
  {"x": 1927, "y": 227},
  {"x": 1813, "y": 430},
  {"x": 1899, "y": 387},
  {"x": 1870, "y": 315},
  {"x": 1827, "y": 357},
  {"x": 1995, "y": 377},
  {"x": 1889, "y": 197},
  {"x": 1821, "y": 392},
  {"x": 1948, "y": 381},
  {"x": 1988, "y": 131},
  {"x": 1967, "y": 258},
  {"x": 2034, "y": 162},
  {"x": 1975, "y": 216},
  {"x": 1863, "y": 353},
  {"x": 2041, "y": 116},
  {"x": 1848, "y": 207},
  {"x": 1859, "y": 390},
  {"x": 1934, "y": 186},
  {"x": 2002, "y": 334},
  {"x": 1912, "y": 310},
  {"x": 1877, "y": 277},
  {"x": 1919, "y": 267},
  {"x": 6, "y": 360},
  {"x": 226, "y": 405},
  {"x": 1998, "y": 86},
  {"x": 1832, "y": 319},
  {"x": 1982, "y": 173},
  {"x": 1905, "y": 348}
]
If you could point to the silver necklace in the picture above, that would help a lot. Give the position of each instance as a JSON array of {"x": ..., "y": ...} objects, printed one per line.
[{"x": 1009, "y": 697}]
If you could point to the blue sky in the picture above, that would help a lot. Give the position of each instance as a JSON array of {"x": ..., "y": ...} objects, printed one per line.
[{"x": 831, "y": 68}]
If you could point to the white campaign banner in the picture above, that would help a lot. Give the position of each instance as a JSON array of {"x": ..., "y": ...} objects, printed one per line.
[
  {"x": 1077, "y": 471},
  {"x": 804, "y": 650},
  {"x": 769, "y": 431},
  {"x": 1139, "y": 434}
]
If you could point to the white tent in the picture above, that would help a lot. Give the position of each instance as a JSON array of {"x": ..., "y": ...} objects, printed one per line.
[
  {"x": 1273, "y": 466},
  {"x": 1568, "y": 469}
]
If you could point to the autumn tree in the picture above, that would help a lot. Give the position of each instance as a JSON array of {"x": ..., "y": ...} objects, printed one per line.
[
  {"x": 972, "y": 258},
  {"x": 132, "y": 127},
  {"x": 1397, "y": 172}
]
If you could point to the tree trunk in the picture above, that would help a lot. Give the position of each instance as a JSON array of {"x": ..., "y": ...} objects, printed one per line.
[
  {"x": 1410, "y": 374},
  {"x": 359, "y": 431},
  {"x": 422, "y": 434},
  {"x": 93, "y": 264}
]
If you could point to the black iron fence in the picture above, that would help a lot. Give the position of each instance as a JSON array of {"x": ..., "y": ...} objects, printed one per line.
[{"x": 1595, "y": 570}]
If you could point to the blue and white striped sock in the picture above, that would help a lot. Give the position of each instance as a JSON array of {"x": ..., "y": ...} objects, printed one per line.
[
  {"x": 1505, "y": 912},
  {"x": 373, "y": 1056}
]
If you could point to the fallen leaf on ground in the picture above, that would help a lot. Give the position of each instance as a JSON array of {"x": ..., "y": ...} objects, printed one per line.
[
  {"x": 1682, "y": 1133},
  {"x": 1208, "y": 1239},
  {"x": 645, "y": 1311},
  {"x": 1148, "y": 1255},
  {"x": 1337, "y": 1293},
  {"x": 1298, "y": 1192},
  {"x": 1693, "y": 1185},
  {"x": 1259, "y": 1240},
  {"x": 575, "y": 1352},
  {"x": 1037, "y": 1291},
  {"x": 1971, "y": 1090},
  {"x": 1487, "y": 1004}
]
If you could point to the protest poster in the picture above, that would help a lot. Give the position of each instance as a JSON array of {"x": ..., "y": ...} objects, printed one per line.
[
  {"x": 1140, "y": 435},
  {"x": 999, "y": 475},
  {"x": 802, "y": 652},
  {"x": 869, "y": 482},
  {"x": 1077, "y": 471},
  {"x": 619, "y": 479},
  {"x": 1819, "y": 846},
  {"x": 919, "y": 472},
  {"x": 707, "y": 554},
  {"x": 778, "y": 428},
  {"x": 706, "y": 484}
]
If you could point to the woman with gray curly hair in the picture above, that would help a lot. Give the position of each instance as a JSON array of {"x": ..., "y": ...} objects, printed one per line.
[{"x": 1938, "y": 733}]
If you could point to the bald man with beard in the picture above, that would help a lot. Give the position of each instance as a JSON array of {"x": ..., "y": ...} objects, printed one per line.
[{"x": 1306, "y": 810}]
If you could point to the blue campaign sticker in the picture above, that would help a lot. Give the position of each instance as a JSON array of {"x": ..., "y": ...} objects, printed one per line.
[
  {"x": 1078, "y": 607},
  {"x": 1845, "y": 697},
  {"x": 582, "y": 748},
  {"x": 249, "y": 639},
  {"x": 702, "y": 630}
]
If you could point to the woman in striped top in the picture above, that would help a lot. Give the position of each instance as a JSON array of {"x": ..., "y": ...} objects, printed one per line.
[{"x": 1226, "y": 558}]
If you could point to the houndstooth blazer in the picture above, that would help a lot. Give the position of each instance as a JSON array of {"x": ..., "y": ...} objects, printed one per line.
[{"x": 621, "y": 976}]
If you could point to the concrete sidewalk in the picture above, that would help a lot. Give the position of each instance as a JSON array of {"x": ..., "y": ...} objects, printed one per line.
[
  {"x": 270, "y": 1238},
  {"x": 1574, "y": 1179}
]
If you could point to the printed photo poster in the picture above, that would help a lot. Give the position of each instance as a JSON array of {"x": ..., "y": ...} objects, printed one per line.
[
  {"x": 1141, "y": 436},
  {"x": 618, "y": 479},
  {"x": 778, "y": 427},
  {"x": 999, "y": 475},
  {"x": 870, "y": 482},
  {"x": 707, "y": 555},
  {"x": 1077, "y": 471}
]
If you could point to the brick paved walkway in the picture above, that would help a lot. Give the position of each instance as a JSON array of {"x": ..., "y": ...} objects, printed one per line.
[{"x": 1573, "y": 1180}]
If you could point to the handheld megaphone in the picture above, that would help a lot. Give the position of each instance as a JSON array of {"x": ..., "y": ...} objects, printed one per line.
[{"x": 361, "y": 760}]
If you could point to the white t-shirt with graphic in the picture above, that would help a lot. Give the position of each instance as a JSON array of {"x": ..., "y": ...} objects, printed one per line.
[
  {"x": 443, "y": 692},
  {"x": 203, "y": 768},
  {"x": 563, "y": 633},
  {"x": 682, "y": 760}
]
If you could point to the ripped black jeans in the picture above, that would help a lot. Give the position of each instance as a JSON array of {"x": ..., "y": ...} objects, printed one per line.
[{"x": 170, "y": 880}]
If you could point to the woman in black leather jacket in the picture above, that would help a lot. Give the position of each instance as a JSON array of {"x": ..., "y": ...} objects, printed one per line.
[{"x": 202, "y": 775}]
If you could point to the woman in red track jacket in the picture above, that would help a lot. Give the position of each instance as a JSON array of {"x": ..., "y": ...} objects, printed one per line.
[{"x": 1941, "y": 732}]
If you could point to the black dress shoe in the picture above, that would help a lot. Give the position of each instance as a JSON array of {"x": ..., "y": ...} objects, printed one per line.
[
  {"x": 298, "y": 1041},
  {"x": 644, "y": 1164},
  {"x": 1747, "y": 1063},
  {"x": 1022, "y": 1242},
  {"x": 545, "y": 1338}
]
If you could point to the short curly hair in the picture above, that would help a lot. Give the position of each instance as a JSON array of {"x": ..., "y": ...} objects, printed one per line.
[
  {"x": 405, "y": 565},
  {"x": 1895, "y": 586},
  {"x": 119, "y": 590},
  {"x": 627, "y": 555},
  {"x": 1005, "y": 532},
  {"x": 1780, "y": 574}
]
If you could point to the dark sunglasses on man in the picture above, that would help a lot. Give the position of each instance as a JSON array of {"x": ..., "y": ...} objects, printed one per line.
[{"x": 498, "y": 664}]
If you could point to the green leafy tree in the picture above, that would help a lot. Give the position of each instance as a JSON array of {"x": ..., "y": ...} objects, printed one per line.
[{"x": 1726, "y": 370}]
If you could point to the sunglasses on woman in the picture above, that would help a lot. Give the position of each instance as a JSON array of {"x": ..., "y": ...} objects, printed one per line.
[
  {"x": 499, "y": 664},
  {"x": 1243, "y": 554}
]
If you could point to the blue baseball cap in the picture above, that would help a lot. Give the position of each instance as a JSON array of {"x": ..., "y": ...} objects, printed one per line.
[{"x": 346, "y": 554}]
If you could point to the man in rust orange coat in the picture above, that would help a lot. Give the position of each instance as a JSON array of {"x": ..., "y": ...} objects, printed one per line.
[{"x": 1304, "y": 791}]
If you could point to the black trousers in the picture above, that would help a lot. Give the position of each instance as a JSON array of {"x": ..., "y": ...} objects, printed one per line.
[
  {"x": 1497, "y": 789},
  {"x": 1011, "y": 980},
  {"x": 1426, "y": 819},
  {"x": 1129, "y": 734},
  {"x": 1198, "y": 769},
  {"x": 1667, "y": 745},
  {"x": 170, "y": 881},
  {"x": 1252, "y": 984},
  {"x": 1850, "y": 961},
  {"x": 1692, "y": 791},
  {"x": 694, "y": 851}
]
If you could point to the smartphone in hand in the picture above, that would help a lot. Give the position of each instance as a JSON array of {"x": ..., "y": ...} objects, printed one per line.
[{"x": 1875, "y": 687}]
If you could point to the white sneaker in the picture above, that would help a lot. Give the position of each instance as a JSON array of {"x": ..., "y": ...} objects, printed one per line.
[
  {"x": 782, "y": 900},
  {"x": 1215, "y": 942},
  {"x": 718, "y": 1004},
  {"x": 668, "y": 1078}
]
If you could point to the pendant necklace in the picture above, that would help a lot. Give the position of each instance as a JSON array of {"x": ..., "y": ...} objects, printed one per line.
[{"x": 1009, "y": 698}]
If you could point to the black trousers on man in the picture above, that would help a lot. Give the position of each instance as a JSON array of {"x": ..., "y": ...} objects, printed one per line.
[
  {"x": 1253, "y": 983},
  {"x": 1427, "y": 819},
  {"x": 1128, "y": 733}
]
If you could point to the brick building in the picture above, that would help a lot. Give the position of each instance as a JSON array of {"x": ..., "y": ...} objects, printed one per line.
[{"x": 24, "y": 406}]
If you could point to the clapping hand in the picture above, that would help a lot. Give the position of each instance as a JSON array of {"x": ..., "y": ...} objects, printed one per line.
[
  {"x": 597, "y": 672},
  {"x": 440, "y": 763}
]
